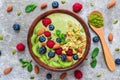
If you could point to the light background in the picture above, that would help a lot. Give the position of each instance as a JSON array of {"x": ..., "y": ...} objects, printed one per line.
[{"x": 11, "y": 38}]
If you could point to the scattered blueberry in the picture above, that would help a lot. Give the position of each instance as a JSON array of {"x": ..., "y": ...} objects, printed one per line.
[
  {"x": 16, "y": 27},
  {"x": 51, "y": 54},
  {"x": 58, "y": 40},
  {"x": 55, "y": 4},
  {"x": 42, "y": 38},
  {"x": 63, "y": 57},
  {"x": 51, "y": 27},
  {"x": 75, "y": 56},
  {"x": 42, "y": 50},
  {"x": 49, "y": 76},
  {"x": 117, "y": 61},
  {"x": 95, "y": 39}
]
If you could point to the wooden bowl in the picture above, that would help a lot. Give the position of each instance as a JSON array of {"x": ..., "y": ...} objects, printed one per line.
[{"x": 35, "y": 22}]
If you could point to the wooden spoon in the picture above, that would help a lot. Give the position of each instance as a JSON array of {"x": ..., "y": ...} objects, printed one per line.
[{"x": 107, "y": 54}]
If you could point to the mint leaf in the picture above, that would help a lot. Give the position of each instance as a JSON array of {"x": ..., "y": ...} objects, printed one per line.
[
  {"x": 30, "y": 68},
  {"x": 30, "y": 7},
  {"x": 93, "y": 63},
  {"x": 95, "y": 52}
]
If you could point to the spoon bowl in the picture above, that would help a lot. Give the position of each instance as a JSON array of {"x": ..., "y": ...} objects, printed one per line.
[{"x": 99, "y": 31}]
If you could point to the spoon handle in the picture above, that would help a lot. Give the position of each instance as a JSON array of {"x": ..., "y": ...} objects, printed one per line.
[{"x": 107, "y": 54}]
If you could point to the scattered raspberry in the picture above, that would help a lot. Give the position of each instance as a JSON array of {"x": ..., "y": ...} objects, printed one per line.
[
  {"x": 78, "y": 74},
  {"x": 50, "y": 43},
  {"x": 77, "y": 7},
  {"x": 46, "y": 21},
  {"x": 58, "y": 51},
  {"x": 69, "y": 52},
  {"x": 20, "y": 47},
  {"x": 47, "y": 33}
]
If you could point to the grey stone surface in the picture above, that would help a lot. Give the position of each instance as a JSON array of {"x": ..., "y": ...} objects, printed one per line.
[{"x": 11, "y": 38}]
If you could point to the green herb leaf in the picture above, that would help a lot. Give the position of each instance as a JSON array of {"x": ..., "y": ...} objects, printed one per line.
[
  {"x": 58, "y": 32},
  {"x": 25, "y": 65},
  {"x": 115, "y": 22},
  {"x": 30, "y": 67},
  {"x": 93, "y": 63},
  {"x": 23, "y": 62},
  {"x": 29, "y": 8},
  {"x": 95, "y": 52},
  {"x": 63, "y": 1}
]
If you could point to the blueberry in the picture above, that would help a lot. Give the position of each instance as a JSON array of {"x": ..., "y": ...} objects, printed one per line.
[
  {"x": 58, "y": 40},
  {"x": 75, "y": 56},
  {"x": 63, "y": 57},
  {"x": 49, "y": 76},
  {"x": 55, "y": 4},
  {"x": 117, "y": 61},
  {"x": 51, "y": 27},
  {"x": 95, "y": 39},
  {"x": 16, "y": 27},
  {"x": 42, "y": 38},
  {"x": 42, "y": 50},
  {"x": 51, "y": 54}
]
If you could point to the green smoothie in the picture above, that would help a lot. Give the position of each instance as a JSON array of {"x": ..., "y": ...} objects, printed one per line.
[{"x": 59, "y": 40}]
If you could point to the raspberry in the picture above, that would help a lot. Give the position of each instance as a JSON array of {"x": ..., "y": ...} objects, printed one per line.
[
  {"x": 47, "y": 33},
  {"x": 69, "y": 52},
  {"x": 58, "y": 51},
  {"x": 46, "y": 21},
  {"x": 77, "y": 7},
  {"x": 20, "y": 47},
  {"x": 78, "y": 74},
  {"x": 50, "y": 43}
]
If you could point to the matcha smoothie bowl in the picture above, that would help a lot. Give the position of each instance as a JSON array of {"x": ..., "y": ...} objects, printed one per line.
[{"x": 58, "y": 40}]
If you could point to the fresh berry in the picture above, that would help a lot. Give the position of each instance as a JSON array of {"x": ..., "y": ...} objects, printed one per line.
[
  {"x": 55, "y": 4},
  {"x": 20, "y": 47},
  {"x": 58, "y": 40},
  {"x": 16, "y": 27},
  {"x": 51, "y": 54},
  {"x": 77, "y": 7},
  {"x": 117, "y": 61},
  {"x": 75, "y": 56},
  {"x": 47, "y": 33},
  {"x": 58, "y": 51},
  {"x": 78, "y": 74},
  {"x": 95, "y": 39},
  {"x": 63, "y": 57},
  {"x": 42, "y": 39},
  {"x": 46, "y": 21},
  {"x": 50, "y": 43},
  {"x": 42, "y": 50},
  {"x": 49, "y": 76},
  {"x": 51, "y": 27},
  {"x": 69, "y": 52}
]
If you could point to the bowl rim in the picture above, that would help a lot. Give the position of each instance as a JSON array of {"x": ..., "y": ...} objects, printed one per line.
[{"x": 43, "y": 15}]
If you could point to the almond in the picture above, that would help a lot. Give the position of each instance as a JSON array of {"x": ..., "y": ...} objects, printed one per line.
[
  {"x": 110, "y": 37},
  {"x": 69, "y": 58},
  {"x": 36, "y": 69},
  {"x": 56, "y": 46},
  {"x": 7, "y": 70},
  {"x": 9, "y": 8},
  {"x": 63, "y": 75},
  {"x": 80, "y": 50},
  {"x": 43, "y": 5},
  {"x": 41, "y": 31},
  {"x": 111, "y": 4}
]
